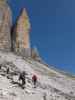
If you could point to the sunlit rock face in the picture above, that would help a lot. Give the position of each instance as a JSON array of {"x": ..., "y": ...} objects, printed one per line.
[
  {"x": 22, "y": 30},
  {"x": 5, "y": 26}
]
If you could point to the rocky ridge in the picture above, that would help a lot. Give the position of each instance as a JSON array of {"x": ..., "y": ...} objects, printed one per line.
[{"x": 51, "y": 85}]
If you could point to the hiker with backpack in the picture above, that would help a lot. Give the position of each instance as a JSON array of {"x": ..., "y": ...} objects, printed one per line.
[
  {"x": 22, "y": 77},
  {"x": 0, "y": 66},
  {"x": 34, "y": 80},
  {"x": 7, "y": 70}
]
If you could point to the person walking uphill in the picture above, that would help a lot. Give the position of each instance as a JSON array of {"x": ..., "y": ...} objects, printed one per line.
[
  {"x": 7, "y": 71},
  {"x": 34, "y": 80},
  {"x": 22, "y": 78}
]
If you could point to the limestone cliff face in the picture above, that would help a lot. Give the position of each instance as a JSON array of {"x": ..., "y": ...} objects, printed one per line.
[
  {"x": 19, "y": 40},
  {"x": 5, "y": 26},
  {"x": 22, "y": 30}
]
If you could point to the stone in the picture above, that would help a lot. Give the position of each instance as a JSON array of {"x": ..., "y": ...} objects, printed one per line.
[
  {"x": 22, "y": 29},
  {"x": 5, "y": 26}
]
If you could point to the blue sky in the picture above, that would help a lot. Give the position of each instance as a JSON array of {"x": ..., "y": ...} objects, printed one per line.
[{"x": 53, "y": 29}]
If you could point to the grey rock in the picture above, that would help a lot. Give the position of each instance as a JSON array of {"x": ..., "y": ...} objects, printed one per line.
[{"x": 5, "y": 27}]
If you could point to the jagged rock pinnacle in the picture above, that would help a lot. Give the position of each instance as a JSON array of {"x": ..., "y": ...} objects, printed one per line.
[
  {"x": 22, "y": 33},
  {"x": 24, "y": 16},
  {"x": 5, "y": 26}
]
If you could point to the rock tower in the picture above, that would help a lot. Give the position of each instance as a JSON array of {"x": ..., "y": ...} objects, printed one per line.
[
  {"x": 15, "y": 38},
  {"x": 22, "y": 30},
  {"x": 5, "y": 26}
]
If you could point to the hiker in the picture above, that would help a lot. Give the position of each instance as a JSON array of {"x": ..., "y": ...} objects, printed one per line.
[
  {"x": 22, "y": 78},
  {"x": 7, "y": 71},
  {"x": 0, "y": 66},
  {"x": 34, "y": 80}
]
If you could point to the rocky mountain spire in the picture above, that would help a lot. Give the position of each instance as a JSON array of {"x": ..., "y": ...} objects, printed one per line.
[
  {"x": 22, "y": 32},
  {"x": 5, "y": 26},
  {"x": 24, "y": 18}
]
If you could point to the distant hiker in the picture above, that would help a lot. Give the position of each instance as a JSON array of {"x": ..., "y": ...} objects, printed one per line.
[
  {"x": 34, "y": 80},
  {"x": 0, "y": 66},
  {"x": 22, "y": 78},
  {"x": 7, "y": 71}
]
